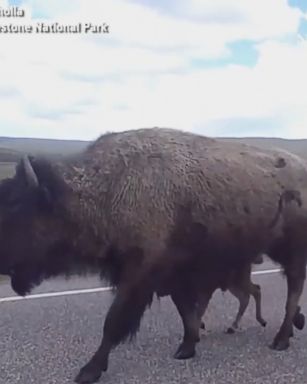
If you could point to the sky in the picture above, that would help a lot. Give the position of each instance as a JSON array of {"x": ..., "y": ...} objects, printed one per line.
[{"x": 219, "y": 68}]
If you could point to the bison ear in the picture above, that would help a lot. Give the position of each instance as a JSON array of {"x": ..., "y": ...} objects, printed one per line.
[{"x": 30, "y": 174}]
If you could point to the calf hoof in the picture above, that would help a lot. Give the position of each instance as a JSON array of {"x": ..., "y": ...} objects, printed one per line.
[
  {"x": 89, "y": 374},
  {"x": 230, "y": 331},
  {"x": 263, "y": 323},
  {"x": 299, "y": 321},
  {"x": 185, "y": 351},
  {"x": 202, "y": 325},
  {"x": 280, "y": 344}
]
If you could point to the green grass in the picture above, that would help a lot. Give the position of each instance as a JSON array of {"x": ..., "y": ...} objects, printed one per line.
[
  {"x": 6, "y": 170},
  {"x": 3, "y": 278}
]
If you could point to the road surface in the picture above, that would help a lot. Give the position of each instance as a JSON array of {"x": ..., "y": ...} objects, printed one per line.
[{"x": 45, "y": 340}]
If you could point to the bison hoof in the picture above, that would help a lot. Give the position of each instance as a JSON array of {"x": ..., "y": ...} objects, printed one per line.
[
  {"x": 230, "y": 331},
  {"x": 280, "y": 344},
  {"x": 185, "y": 351},
  {"x": 299, "y": 321},
  {"x": 202, "y": 325},
  {"x": 88, "y": 375}
]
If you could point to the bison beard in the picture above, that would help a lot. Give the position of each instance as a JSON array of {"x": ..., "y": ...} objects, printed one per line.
[
  {"x": 24, "y": 278},
  {"x": 157, "y": 211}
]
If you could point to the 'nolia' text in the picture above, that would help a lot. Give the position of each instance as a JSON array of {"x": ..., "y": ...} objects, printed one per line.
[{"x": 12, "y": 12}]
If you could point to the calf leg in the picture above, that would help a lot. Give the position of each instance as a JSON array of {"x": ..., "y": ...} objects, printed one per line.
[
  {"x": 255, "y": 291},
  {"x": 295, "y": 279},
  {"x": 243, "y": 297},
  {"x": 187, "y": 308},
  {"x": 122, "y": 320},
  {"x": 202, "y": 305}
]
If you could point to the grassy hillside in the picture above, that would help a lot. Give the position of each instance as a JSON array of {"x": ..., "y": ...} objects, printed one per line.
[
  {"x": 42, "y": 146},
  {"x": 14, "y": 146},
  {"x": 6, "y": 169},
  {"x": 299, "y": 147},
  {"x": 11, "y": 149},
  {"x": 8, "y": 155}
]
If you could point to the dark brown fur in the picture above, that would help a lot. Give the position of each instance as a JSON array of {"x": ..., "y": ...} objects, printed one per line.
[{"x": 154, "y": 211}]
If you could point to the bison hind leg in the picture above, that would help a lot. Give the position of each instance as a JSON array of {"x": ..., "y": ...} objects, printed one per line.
[{"x": 296, "y": 279}]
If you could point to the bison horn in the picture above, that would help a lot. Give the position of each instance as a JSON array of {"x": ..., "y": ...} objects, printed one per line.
[{"x": 29, "y": 171}]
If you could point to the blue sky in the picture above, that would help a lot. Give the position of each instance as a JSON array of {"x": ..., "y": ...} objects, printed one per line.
[
  {"x": 301, "y": 4},
  {"x": 225, "y": 68}
]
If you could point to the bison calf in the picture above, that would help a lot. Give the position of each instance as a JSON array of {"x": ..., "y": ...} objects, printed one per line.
[{"x": 240, "y": 285}]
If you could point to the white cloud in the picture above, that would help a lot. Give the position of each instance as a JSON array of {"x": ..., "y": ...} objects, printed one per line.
[
  {"x": 78, "y": 86},
  {"x": 261, "y": 19}
]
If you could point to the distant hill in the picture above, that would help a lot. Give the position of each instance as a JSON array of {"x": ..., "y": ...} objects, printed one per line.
[
  {"x": 10, "y": 146},
  {"x": 9, "y": 155},
  {"x": 41, "y": 146},
  {"x": 299, "y": 147},
  {"x": 11, "y": 149}
]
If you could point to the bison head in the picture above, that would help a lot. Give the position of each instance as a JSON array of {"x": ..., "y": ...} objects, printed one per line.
[{"x": 33, "y": 225}]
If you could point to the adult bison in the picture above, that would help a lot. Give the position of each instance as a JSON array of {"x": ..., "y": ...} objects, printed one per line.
[{"x": 155, "y": 211}]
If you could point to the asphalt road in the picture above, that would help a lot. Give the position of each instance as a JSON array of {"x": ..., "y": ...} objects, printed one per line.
[{"x": 47, "y": 340}]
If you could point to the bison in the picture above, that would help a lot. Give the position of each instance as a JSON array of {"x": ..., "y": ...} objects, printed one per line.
[{"x": 155, "y": 211}]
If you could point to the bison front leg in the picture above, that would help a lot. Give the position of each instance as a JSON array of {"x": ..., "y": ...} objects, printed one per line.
[
  {"x": 122, "y": 320},
  {"x": 187, "y": 308},
  {"x": 295, "y": 279}
]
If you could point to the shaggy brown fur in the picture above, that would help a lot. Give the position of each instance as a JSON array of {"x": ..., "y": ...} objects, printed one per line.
[{"x": 154, "y": 211}]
